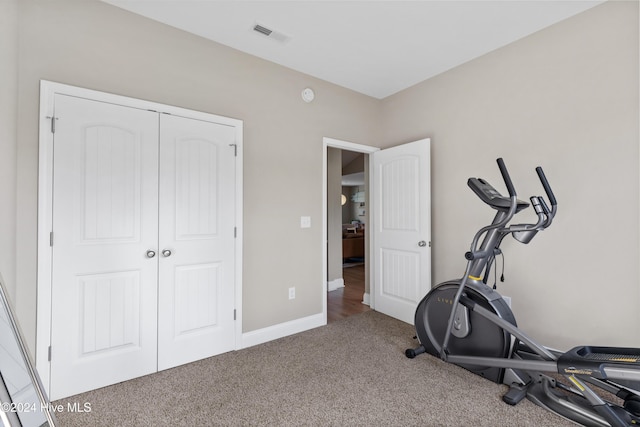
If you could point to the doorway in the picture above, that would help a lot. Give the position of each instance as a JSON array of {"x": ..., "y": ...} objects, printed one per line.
[
  {"x": 349, "y": 294},
  {"x": 346, "y": 261}
]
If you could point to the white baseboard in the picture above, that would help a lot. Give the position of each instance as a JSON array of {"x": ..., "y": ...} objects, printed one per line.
[
  {"x": 366, "y": 299},
  {"x": 281, "y": 330},
  {"x": 335, "y": 284}
]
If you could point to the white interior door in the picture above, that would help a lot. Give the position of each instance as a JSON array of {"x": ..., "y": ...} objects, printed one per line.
[
  {"x": 197, "y": 221},
  {"x": 105, "y": 219},
  {"x": 401, "y": 228}
]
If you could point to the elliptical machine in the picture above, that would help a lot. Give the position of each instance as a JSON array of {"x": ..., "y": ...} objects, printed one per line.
[{"x": 468, "y": 323}]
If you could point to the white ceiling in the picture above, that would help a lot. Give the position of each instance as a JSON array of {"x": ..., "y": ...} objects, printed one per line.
[{"x": 373, "y": 47}]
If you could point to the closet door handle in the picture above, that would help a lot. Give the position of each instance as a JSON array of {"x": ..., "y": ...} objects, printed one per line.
[
  {"x": 166, "y": 253},
  {"x": 150, "y": 253}
]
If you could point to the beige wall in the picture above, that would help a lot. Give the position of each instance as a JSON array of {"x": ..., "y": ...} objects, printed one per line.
[
  {"x": 8, "y": 111},
  {"x": 565, "y": 98},
  {"x": 356, "y": 165},
  {"x": 95, "y": 45}
]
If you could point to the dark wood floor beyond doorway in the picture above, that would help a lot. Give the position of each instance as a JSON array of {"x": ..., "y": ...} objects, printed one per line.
[{"x": 347, "y": 301}]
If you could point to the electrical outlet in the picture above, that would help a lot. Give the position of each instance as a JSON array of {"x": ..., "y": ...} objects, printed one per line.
[{"x": 292, "y": 293}]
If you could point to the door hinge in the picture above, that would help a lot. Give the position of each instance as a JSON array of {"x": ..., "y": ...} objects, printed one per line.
[
  {"x": 234, "y": 314},
  {"x": 53, "y": 123},
  {"x": 235, "y": 149},
  {"x": 235, "y": 232},
  {"x": 49, "y": 354},
  {"x": 51, "y": 238}
]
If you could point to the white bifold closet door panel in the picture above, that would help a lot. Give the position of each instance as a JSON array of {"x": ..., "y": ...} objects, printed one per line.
[
  {"x": 105, "y": 219},
  {"x": 143, "y": 254},
  {"x": 197, "y": 214}
]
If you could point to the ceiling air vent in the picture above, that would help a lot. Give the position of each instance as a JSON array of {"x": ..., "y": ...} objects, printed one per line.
[
  {"x": 263, "y": 30},
  {"x": 272, "y": 34}
]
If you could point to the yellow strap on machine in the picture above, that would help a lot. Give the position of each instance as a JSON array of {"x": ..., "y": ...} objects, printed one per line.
[{"x": 474, "y": 278}]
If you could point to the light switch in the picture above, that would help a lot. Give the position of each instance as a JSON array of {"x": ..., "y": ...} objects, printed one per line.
[{"x": 305, "y": 222}]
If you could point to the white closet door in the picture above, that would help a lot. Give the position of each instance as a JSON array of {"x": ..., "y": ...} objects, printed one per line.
[
  {"x": 197, "y": 220},
  {"x": 105, "y": 219}
]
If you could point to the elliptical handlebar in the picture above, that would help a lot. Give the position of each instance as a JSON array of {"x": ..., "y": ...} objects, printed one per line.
[
  {"x": 550, "y": 213},
  {"x": 547, "y": 187},
  {"x": 507, "y": 178},
  {"x": 521, "y": 232},
  {"x": 474, "y": 253},
  {"x": 545, "y": 214}
]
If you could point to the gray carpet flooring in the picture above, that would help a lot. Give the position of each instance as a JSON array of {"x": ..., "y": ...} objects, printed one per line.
[{"x": 350, "y": 373}]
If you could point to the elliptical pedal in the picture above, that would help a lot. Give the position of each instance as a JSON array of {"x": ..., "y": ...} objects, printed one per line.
[{"x": 516, "y": 393}]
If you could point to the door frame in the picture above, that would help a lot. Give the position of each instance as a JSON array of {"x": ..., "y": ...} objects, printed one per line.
[
  {"x": 48, "y": 90},
  {"x": 359, "y": 148}
]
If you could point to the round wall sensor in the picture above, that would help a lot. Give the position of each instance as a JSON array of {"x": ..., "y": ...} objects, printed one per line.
[{"x": 308, "y": 95}]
